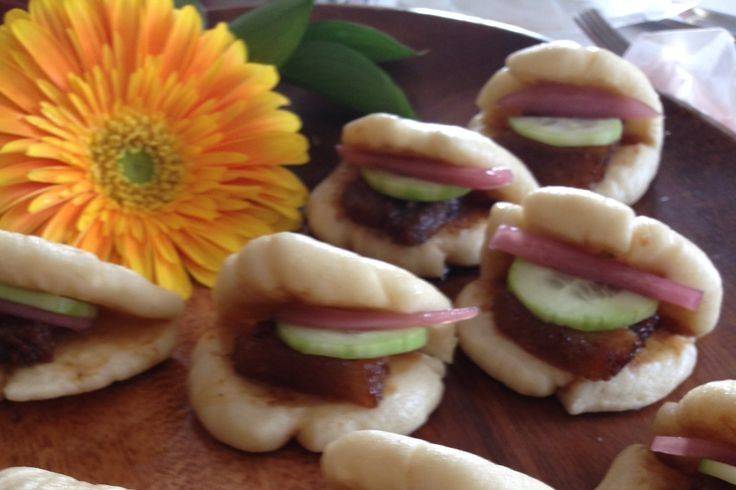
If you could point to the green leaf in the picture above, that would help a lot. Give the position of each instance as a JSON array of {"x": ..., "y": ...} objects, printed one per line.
[
  {"x": 346, "y": 77},
  {"x": 273, "y": 31},
  {"x": 372, "y": 43},
  {"x": 196, "y": 4}
]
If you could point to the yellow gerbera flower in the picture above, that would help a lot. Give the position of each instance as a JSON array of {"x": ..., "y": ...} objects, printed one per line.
[{"x": 129, "y": 131}]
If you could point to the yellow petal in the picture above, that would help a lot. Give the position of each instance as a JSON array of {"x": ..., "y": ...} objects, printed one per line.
[
  {"x": 172, "y": 276},
  {"x": 19, "y": 219},
  {"x": 201, "y": 274}
]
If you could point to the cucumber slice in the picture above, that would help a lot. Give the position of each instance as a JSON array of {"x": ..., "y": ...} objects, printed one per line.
[
  {"x": 568, "y": 132},
  {"x": 409, "y": 188},
  {"x": 576, "y": 303},
  {"x": 48, "y": 302},
  {"x": 342, "y": 345},
  {"x": 719, "y": 470}
]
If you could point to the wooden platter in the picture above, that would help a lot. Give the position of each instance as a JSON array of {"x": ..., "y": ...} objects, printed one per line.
[{"x": 142, "y": 434}]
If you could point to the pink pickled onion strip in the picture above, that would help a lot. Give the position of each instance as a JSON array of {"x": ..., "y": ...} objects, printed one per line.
[
  {"x": 429, "y": 170},
  {"x": 559, "y": 100},
  {"x": 345, "y": 319},
  {"x": 691, "y": 447},
  {"x": 39, "y": 315},
  {"x": 571, "y": 260}
]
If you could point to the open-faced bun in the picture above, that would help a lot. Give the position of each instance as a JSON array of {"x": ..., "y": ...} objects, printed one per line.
[
  {"x": 117, "y": 348},
  {"x": 632, "y": 166},
  {"x": 705, "y": 412},
  {"x": 377, "y": 460},
  {"x": 600, "y": 224},
  {"x": 25, "y": 478},
  {"x": 33, "y": 263},
  {"x": 135, "y": 330},
  {"x": 276, "y": 270},
  {"x": 455, "y": 245}
]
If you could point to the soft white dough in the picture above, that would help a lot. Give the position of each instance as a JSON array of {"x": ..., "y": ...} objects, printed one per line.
[
  {"x": 377, "y": 460},
  {"x": 705, "y": 412},
  {"x": 274, "y": 271},
  {"x": 25, "y": 478},
  {"x": 34, "y": 263},
  {"x": 117, "y": 348},
  {"x": 637, "y": 468}
]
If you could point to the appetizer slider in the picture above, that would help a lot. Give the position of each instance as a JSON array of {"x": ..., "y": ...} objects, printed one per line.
[
  {"x": 579, "y": 117},
  {"x": 314, "y": 342},
  {"x": 583, "y": 299},
  {"x": 694, "y": 445},
  {"x": 71, "y": 323},
  {"x": 414, "y": 194},
  {"x": 23, "y": 478},
  {"x": 377, "y": 460}
]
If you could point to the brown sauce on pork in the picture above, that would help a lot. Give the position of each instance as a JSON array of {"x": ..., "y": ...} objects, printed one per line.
[
  {"x": 409, "y": 222},
  {"x": 591, "y": 355},
  {"x": 573, "y": 167},
  {"x": 24, "y": 342},
  {"x": 260, "y": 355},
  {"x": 689, "y": 466},
  {"x": 705, "y": 482}
]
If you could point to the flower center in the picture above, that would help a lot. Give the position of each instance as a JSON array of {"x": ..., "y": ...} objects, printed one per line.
[{"x": 135, "y": 162}]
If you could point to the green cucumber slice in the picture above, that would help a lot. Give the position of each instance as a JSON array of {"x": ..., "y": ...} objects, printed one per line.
[
  {"x": 568, "y": 132},
  {"x": 719, "y": 470},
  {"x": 409, "y": 188},
  {"x": 343, "y": 345},
  {"x": 48, "y": 302},
  {"x": 576, "y": 303}
]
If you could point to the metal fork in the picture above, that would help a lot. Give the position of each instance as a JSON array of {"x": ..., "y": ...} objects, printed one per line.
[{"x": 600, "y": 31}]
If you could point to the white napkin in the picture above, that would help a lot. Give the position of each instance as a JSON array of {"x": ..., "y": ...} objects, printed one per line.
[{"x": 697, "y": 66}]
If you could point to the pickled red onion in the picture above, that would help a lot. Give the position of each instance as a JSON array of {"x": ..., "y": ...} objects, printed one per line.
[
  {"x": 571, "y": 260},
  {"x": 429, "y": 170},
  {"x": 346, "y": 319},
  {"x": 560, "y": 100},
  {"x": 691, "y": 447},
  {"x": 54, "y": 319}
]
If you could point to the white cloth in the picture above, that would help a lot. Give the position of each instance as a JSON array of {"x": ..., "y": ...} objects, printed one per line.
[{"x": 697, "y": 66}]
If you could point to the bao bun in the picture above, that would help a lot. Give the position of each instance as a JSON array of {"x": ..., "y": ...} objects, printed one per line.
[
  {"x": 632, "y": 166},
  {"x": 285, "y": 268},
  {"x": 376, "y": 460},
  {"x": 453, "y": 145},
  {"x": 134, "y": 331},
  {"x": 24, "y": 478},
  {"x": 600, "y": 224},
  {"x": 706, "y": 412}
]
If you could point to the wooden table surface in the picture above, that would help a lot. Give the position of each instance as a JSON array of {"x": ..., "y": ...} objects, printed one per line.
[{"x": 142, "y": 434}]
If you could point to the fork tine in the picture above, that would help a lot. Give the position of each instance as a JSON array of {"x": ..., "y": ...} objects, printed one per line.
[
  {"x": 616, "y": 39},
  {"x": 580, "y": 20},
  {"x": 600, "y": 31}
]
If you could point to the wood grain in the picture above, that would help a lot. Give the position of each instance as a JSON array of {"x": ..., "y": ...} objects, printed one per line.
[{"x": 141, "y": 433}]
